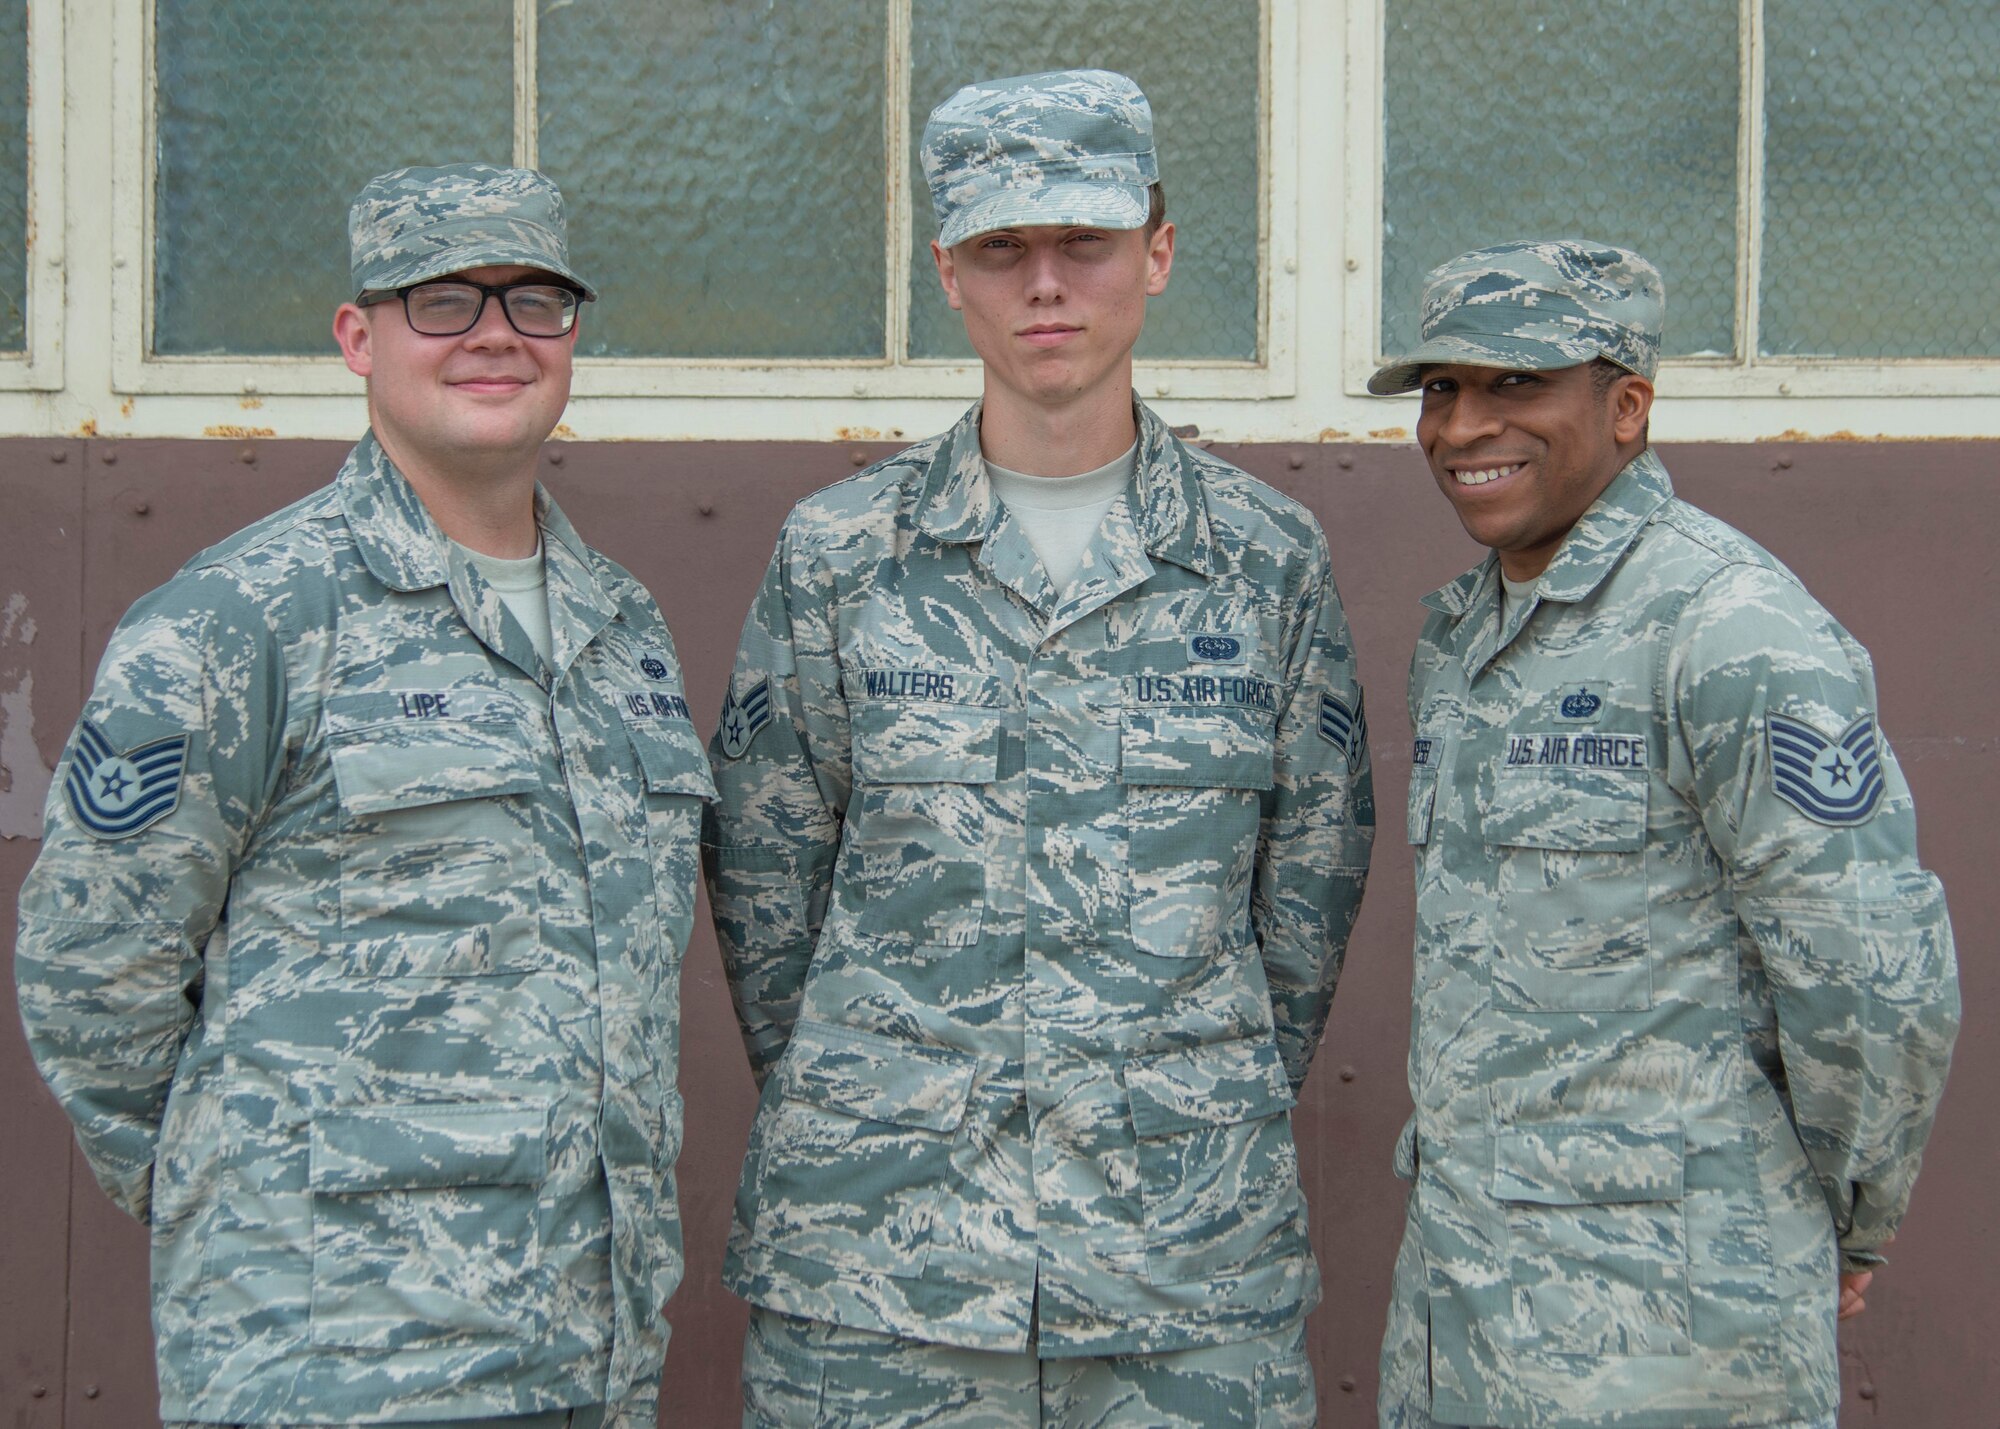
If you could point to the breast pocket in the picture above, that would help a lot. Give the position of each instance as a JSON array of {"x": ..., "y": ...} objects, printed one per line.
[
  {"x": 1572, "y": 922},
  {"x": 1218, "y": 1172},
  {"x": 853, "y": 1154},
  {"x": 918, "y": 820},
  {"x": 426, "y": 1224},
  {"x": 440, "y": 868},
  {"x": 1596, "y": 1238},
  {"x": 674, "y": 770},
  {"x": 1193, "y": 785}
]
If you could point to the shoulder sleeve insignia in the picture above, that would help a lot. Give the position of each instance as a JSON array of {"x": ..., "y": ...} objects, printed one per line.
[
  {"x": 116, "y": 795},
  {"x": 1344, "y": 727},
  {"x": 742, "y": 718},
  {"x": 1831, "y": 780}
]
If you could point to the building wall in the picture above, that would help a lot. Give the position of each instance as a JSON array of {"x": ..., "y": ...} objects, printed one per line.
[{"x": 1893, "y": 537}]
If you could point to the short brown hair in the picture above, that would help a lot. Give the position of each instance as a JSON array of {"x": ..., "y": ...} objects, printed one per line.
[{"x": 1156, "y": 208}]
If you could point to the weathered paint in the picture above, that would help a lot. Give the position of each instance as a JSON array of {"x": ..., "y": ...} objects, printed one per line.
[{"x": 1893, "y": 537}]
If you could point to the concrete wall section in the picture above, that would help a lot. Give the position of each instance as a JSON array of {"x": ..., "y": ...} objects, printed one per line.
[{"x": 1894, "y": 538}]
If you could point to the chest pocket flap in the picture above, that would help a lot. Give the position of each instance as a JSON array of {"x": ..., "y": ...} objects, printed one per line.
[
  {"x": 382, "y": 761},
  {"x": 925, "y": 743},
  {"x": 671, "y": 758},
  {"x": 1587, "y": 811},
  {"x": 1206, "y": 749}
]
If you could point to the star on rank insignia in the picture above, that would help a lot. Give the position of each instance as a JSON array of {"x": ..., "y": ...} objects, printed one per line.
[
  {"x": 1830, "y": 779},
  {"x": 1343, "y": 726},
  {"x": 116, "y": 795},
  {"x": 742, "y": 718}
]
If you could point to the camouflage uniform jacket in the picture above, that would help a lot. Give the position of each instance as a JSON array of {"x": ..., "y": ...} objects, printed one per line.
[
  {"x": 1033, "y": 904},
  {"x": 1683, "y": 999},
  {"x": 376, "y": 1024}
]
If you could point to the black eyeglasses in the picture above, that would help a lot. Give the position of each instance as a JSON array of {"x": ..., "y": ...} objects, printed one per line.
[{"x": 453, "y": 306}]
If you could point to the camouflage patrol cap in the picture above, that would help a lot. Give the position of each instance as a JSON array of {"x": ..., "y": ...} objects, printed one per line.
[
  {"x": 411, "y": 225},
  {"x": 1536, "y": 304},
  {"x": 1069, "y": 146}
]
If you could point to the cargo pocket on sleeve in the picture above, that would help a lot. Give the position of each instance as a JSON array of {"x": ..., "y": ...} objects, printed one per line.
[
  {"x": 1596, "y": 1237},
  {"x": 1218, "y": 1173},
  {"x": 425, "y": 1224},
  {"x": 856, "y": 1147}
]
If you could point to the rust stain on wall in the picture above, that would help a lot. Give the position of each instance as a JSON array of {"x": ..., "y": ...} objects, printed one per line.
[{"x": 223, "y": 429}]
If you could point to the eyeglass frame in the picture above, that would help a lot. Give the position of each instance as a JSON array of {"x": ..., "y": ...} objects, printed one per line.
[{"x": 486, "y": 291}]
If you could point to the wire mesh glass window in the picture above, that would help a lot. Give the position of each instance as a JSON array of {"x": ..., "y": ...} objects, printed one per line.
[
  {"x": 13, "y": 175},
  {"x": 727, "y": 166},
  {"x": 270, "y": 117},
  {"x": 1881, "y": 178},
  {"x": 1868, "y": 161}
]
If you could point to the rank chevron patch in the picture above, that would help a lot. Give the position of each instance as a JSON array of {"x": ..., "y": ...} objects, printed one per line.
[
  {"x": 116, "y": 795},
  {"x": 1834, "y": 781}
]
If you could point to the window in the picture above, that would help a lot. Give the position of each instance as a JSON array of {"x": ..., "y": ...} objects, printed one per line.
[
  {"x": 31, "y": 228},
  {"x": 1815, "y": 178},
  {"x": 743, "y": 180}
]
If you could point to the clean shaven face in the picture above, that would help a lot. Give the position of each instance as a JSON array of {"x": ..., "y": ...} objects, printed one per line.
[
  {"x": 1521, "y": 455},
  {"x": 1053, "y": 312}
]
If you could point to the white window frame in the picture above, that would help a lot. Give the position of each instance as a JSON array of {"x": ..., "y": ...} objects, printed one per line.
[
  {"x": 40, "y": 367},
  {"x": 1743, "y": 373},
  {"x": 136, "y": 368}
]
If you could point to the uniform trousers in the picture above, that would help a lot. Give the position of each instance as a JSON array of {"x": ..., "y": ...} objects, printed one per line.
[
  {"x": 583, "y": 1416},
  {"x": 808, "y": 1374},
  {"x": 1410, "y": 1415}
]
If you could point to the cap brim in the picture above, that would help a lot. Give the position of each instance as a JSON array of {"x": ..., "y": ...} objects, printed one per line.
[
  {"x": 1521, "y": 354},
  {"x": 422, "y": 267},
  {"x": 1093, "y": 203}
]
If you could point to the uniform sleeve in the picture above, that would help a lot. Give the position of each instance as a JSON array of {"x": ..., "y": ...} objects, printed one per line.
[
  {"x": 1318, "y": 820},
  {"x": 782, "y": 774},
  {"x": 1808, "y": 811},
  {"x": 156, "y": 796}
]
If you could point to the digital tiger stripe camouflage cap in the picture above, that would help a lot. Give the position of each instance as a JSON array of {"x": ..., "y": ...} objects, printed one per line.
[
  {"x": 1536, "y": 304},
  {"x": 1070, "y": 146},
  {"x": 411, "y": 225}
]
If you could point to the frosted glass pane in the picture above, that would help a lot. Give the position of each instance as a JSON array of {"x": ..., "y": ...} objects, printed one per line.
[
  {"x": 1881, "y": 178},
  {"x": 270, "y": 117},
  {"x": 13, "y": 175},
  {"x": 724, "y": 164},
  {"x": 1558, "y": 118},
  {"x": 1197, "y": 60}
]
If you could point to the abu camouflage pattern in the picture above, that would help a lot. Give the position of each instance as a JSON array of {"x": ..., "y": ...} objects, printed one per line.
[
  {"x": 1534, "y": 305},
  {"x": 1067, "y": 147},
  {"x": 808, "y": 1372},
  {"x": 378, "y": 1028},
  {"x": 1675, "y": 1045},
  {"x": 1030, "y": 964},
  {"x": 411, "y": 225}
]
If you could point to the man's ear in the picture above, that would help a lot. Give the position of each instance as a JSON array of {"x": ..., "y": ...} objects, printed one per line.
[
  {"x": 1631, "y": 405},
  {"x": 350, "y": 330},
  {"x": 947, "y": 271},
  {"x": 1159, "y": 259}
]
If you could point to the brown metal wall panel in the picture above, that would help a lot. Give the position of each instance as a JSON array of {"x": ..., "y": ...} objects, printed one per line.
[
  {"x": 1893, "y": 537},
  {"x": 41, "y": 648}
]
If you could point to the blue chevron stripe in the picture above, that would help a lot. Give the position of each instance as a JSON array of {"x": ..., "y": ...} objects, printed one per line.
[{"x": 1796, "y": 751}]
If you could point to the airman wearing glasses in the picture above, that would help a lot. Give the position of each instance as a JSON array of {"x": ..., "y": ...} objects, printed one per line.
[{"x": 353, "y": 945}]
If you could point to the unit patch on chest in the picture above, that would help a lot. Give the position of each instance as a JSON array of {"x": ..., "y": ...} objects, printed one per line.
[{"x": 1581, "y": 703}]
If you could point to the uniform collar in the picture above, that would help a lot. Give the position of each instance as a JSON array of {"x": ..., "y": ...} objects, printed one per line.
[
  {"x": 404, "y": 548},
  {"x": 1588, "y": 553},
  {"x": 959, "y": 505}
]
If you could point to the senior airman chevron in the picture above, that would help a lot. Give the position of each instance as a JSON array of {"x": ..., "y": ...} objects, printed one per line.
[{"x": 741, "y": 719}]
